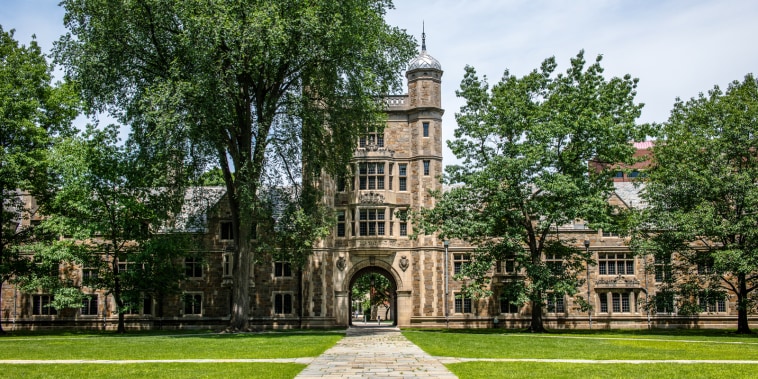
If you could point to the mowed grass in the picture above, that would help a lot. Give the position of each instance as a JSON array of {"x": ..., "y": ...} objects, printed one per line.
[
  {"x": 141, "y": 346},
  {"x": 154, "y": 370},
  {"x": 497, "y": 370},
  {"x": 606, "y": 345},
  {"x": 161, "y": 346},
  {"x": 595, "y": 345}
]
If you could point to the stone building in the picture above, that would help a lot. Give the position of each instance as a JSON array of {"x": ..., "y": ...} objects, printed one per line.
[{"x": 393, "y": 171}]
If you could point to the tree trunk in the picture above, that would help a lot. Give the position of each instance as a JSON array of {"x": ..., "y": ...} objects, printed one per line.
[
  {"x": 742, "y": 324},
  {"x": 742, "y": 300},
  {"x": 241, "y": 285},
  {"x": 121, "y": 329},
  {"x": 535, "y": 253},
  {"x": 536, "y": 325},
  {"x": 242, "y": 192}
]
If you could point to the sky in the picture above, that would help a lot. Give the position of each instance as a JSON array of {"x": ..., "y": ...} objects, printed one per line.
[{"x": 677, "y": 48}]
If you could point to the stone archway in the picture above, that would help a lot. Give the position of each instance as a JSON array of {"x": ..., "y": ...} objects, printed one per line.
[
  {"x": 360, "y": 265},
  {"x": 393, "y": 291}
]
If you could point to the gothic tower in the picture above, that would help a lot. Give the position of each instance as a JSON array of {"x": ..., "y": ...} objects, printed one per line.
[{"x": 394, "y": 169}]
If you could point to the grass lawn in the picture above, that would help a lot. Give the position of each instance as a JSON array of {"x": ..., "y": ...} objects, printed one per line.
[
  {"x": 154, "y": 370},
  {"x": 168, "y": 346},
  {"x": 596, "y": 345},
  {"x": 496, "y": 370},
  {"x": 151, "y": 345}
]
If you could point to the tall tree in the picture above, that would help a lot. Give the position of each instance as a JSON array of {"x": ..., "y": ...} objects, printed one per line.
[
  {"x": 33, "y": 112},
  {"x": 703, "y": 200},
  {"x": 232, "y": 79},
  {"x": 107, "y": 201},
  {"x": 525, "y": 146}
]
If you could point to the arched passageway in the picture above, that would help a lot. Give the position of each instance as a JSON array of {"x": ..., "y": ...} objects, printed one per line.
[{"x": 377, "y": 287}]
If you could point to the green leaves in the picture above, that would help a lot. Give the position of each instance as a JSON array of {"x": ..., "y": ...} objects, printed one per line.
[
  {"x": 113, "y": 203},
  {"x": 33, "y": 114},
  {"x": 526, "y": 147},
  {"x": 701, "y": 188},
  {"x": 527, "y": 143},
  {"x": 275, "y": 92}
]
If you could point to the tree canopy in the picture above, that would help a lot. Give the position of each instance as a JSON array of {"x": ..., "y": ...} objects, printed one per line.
[
  {"x": 257, "y": 87},
  {"x": 703, "y": 201},
  {"x": 116, "y": 212},
  {"x": 525, "y": 147},
  {"x": 33, "y": 113}
]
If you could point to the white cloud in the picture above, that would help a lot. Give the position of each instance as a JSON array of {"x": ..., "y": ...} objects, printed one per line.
[{"x": 676, "y": 47}]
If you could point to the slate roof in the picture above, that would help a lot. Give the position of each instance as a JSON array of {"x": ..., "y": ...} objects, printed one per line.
[
  {"x": 193, "y": 217},
  {"x": 629, "y": 193}
]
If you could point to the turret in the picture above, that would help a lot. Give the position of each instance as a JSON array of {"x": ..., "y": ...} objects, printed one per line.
[{"x": 424, "y": 77}]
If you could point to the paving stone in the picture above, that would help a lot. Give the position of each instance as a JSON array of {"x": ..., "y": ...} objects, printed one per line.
[{"x": 375, "y": 352}]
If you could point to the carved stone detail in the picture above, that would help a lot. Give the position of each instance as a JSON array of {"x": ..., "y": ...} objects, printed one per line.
[
  {"x": 341, "y": 263},
  {"x": 404, "y": 263},
  {"x": 371, "y": 198}
]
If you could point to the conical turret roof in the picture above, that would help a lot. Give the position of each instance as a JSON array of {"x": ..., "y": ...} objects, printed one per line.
[{"x": 424, "y": 60}]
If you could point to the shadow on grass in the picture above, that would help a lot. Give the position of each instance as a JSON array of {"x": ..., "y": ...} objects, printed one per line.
[{"x": 214, "y": 334}]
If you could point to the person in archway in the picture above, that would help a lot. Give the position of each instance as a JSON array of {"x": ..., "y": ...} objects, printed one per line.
[{"x": 379, "y": 319}]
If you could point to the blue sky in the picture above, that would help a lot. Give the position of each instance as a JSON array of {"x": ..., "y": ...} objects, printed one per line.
[{"x": 677, "y": 48}]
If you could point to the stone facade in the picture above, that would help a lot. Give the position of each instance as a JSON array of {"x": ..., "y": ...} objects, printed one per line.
[{"x": 393, "y": 171}]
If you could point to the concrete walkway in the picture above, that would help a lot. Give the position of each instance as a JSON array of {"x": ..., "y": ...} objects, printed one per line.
[{"x": 375, "y": 352}]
